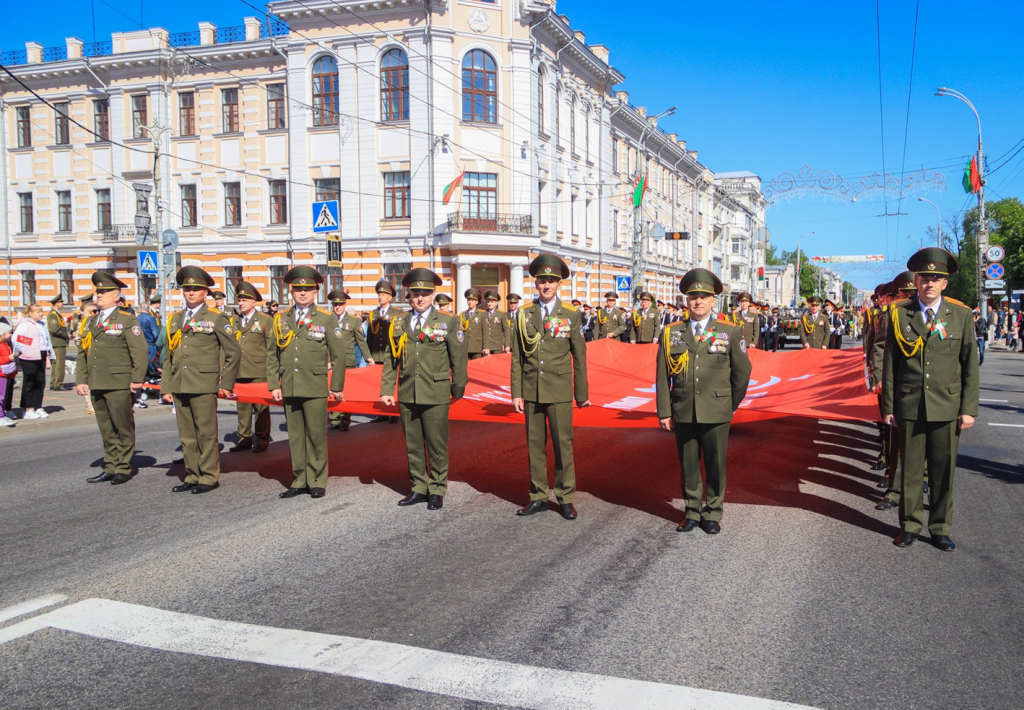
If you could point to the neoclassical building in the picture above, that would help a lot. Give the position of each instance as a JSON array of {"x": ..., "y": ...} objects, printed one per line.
[{"x": 379, "y": 105}]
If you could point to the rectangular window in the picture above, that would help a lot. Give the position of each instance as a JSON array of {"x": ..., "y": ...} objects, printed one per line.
[
  {"x": 25, "y": 202},
  {"x": 103, "y": 209},
  {"x": 61, "y": 126},
  {"x": 67, "y": 285},
  {"x": 278, "y": 202},
  {"x": 542, "y": 193},
  {"x": 735, "y": 273},
  {"x": 24, "y": 126},
  {"x": 63, "y": 210},
  {"x": 275, "y": 106},
  {"x": 229, "y": 110},
  {"x": 187, "y": 113},
  {"x": 101, "y": 119},
  {"x": 140, "y": 115},
  {"x": 232, "y": 204},
  {"x": 396, "y": 195},
  {"x": 572, "y": 216},
  {"x": 189, "y": 216},
  {"x": 616, "y": 227},
  {"x": 278, "y": 289},
  {"x": 735, "y": 246},
  {"x": 326, "y": 189},
  {"x": 480, "y": 201},
  {"x": 393, "y": 274},
  {"x": 28, "y": 287},
  {"x": 232, "y": 275}
]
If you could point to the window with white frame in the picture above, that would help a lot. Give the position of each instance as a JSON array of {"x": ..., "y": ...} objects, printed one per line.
[
  {"x": 63, "y": 210},
  {"x": 103, "y": 209},
  {"x": 232, "y": 204},
  {"x": 278, "y": 202},
  {"x": 229, "y": 110},
  {"x": 27, "y": 221},
  {"x": 276, "y": 113},
  {"x": 396, "y": 195},
  {"x": 189, "y": 215},
  {"x": 28, "y": 287},
  {"x": 140, "y": 115}
]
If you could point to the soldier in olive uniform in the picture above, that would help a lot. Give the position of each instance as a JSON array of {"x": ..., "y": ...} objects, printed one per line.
[
  {"x": 254, "y": 332},
  {"x": 931, "y": 387},
  {"x": 471, "y": 321},
  {"x": 443, "y": 303},
  {"x": 646, "y": 320},
  {"x": 611, "y": 320},
  {"x": 111, "y": 366},
  {"x": 700, "y": 405},
  {"x": 352, "y": 336},
  {"x": 871, "y": 331},
  {"x": 377, "y": 328},
  {"x": 495, "y": 327},
  {"x": 513, "y": 300},
  {"x": 308, "y": 345},
  {"x": 201, "y": 365},
  {"x": 549, "y": 370},
  {"x": 428, "y": 361},
  {"x": 814, "y": 328},
  {"x": 58, "y": 328},
  {"x": 749, "y": 320}
]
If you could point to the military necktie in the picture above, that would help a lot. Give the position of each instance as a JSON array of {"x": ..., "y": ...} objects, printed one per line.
[
  {"x": 419, "y": 321},
  {"x": 698, "y": 332}
]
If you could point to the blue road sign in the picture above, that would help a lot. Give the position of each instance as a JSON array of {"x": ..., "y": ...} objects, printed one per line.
[
  {"x": 994, "y": 271},
  {"x": 325, "y": 216},
  {"x": 147, "y": 263},
  {"x": 624, "y": 283}
]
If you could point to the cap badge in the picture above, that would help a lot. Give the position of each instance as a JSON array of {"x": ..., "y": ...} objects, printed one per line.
[{"x": 930, "y": 267}]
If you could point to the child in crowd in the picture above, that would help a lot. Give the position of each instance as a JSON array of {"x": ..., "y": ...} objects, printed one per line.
[{"x": 8, "y": 371}]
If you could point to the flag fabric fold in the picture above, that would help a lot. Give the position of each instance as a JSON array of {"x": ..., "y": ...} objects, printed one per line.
[
  {"x": 972, "y": 179},
  {"x": 639, "y": 190},
  {"x": 449, "y": 189}
]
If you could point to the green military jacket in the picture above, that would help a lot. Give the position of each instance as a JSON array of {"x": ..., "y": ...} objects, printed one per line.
[
  {"x": 377, "y": 331},
  {"x": 299, "y": 357},
  {"x": 113, "y": 356},
  {"x": 610, "y": 323},
  {"x": 202, "y": 355},
  {"x": 495, "y": 329},
  {"x": 511, "y": 331},
  {"x": 649, "y": 327},
  {"x": 868, "y": 331},
  {"x": 549, "y": 359},
  {"x": 713, "y": 373},
  {"x": 930, "y": 374},
  {"x": 58, "y": 328},
  {"x": 814, "y": 330},
  {"x": 253, "y": 338},
  {"x": 472, "y": 324},
  {"x": 431, "y": 367},
  {"x": 351, "y": 336},
  {"x": 876, "y": 355},
  {"x": 750, "y": 323}
]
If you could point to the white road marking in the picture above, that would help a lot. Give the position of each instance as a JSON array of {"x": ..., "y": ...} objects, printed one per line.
[
  {"x": 449, "y": 674},
  {"x": 27, "y": 607},
  {"x": 1003, "y": 401},
  {"x": 1016, "y": 426}
]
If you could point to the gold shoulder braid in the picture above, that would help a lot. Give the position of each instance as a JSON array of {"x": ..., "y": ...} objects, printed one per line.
[
  {"x": 85, "y": 334},
  {"x": 600, "y": 320},
  {"x": 528, "y": 343},
  {"x": 397, "y": 348},
  {"x": 237, "y": 325},
  {"x": 914, "y": 346},
  {"x": 675, "y": 364},
  {"x": 374, "y": 325},
  {"x": 636, "y": 318},
  {"x": 806, "y": 329},
  {"x": 282, "y": 340},
  {"x": 173, "y": 341},
  {"x": 464, "y": 321}
]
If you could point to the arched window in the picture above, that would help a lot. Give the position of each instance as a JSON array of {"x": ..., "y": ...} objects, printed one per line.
[
  {"x": 572, "y": 125},
  {"x": 479, "y": 88},
  {"x": 540, "y": 100},
  {"x": 394, "y": 86},
  {"x": 325, "y": 91},
  {"x": 558, "y": 115}
]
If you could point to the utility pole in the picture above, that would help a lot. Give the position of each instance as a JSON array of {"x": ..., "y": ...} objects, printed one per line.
[
  {"x": 157, "y": 132},
  {"x": 4, "y": 215}
]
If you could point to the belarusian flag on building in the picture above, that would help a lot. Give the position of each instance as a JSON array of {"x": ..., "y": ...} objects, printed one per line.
[
  {"x": 972, "y": 180},
  {"x": 449, "y": 189},
  {"x": 639, "y": 190}
]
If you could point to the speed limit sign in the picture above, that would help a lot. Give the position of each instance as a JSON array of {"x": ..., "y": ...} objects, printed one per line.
[{"x": 995, "y": 253}]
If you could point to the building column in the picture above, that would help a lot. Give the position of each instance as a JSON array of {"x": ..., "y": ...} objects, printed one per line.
[
  {"x": 463, "y": 282},
  {"x": 515, "y": 279}
]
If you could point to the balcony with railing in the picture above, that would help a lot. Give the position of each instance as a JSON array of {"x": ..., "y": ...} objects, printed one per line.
[
  {"x": 121, "y": 234},
  {"x": 491, "y": 223}
]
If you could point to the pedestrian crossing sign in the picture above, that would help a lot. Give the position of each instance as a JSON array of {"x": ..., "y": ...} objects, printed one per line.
[
  {"x": 325, "y": 216},
  {"x": 147, "y": 263},
  {"x": 623, "y": 283}
]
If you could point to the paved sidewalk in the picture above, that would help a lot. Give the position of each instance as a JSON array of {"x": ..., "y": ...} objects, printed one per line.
[{"x": 68, "y": 408}]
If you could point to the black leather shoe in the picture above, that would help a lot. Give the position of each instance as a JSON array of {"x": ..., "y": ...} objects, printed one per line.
[
  {"x": 568, "y": 511},
  {"x": 886, "y": 504},
  {"x": 711, "y": 527},
  {"x": 120, "y": 478},
  {"x": 317, "y": 492},
  {"x": 181, "y": 460},
  {"x": 905, "y": 539},
  {"x": 435, "y": 502},
  {"x": 100, "y": 478},
  {"x": 687, "y": 525},
  {"x": 259, "y": 447},
  {"x": 292, "y": 492},
  {"x": 392, "y": 420},
  {"x": 379, "y": 419},
  {"x": 204, "y": 488},
  {"x": 534, "y": 507},
  {"x": 884, "y": 483},
  {"x": 183, "y": 487},
  {"x": 942, "y": 542},
  {"x": 242, "y": 445},
  {"x": 413, "y": 499},
  {"x": 878, "y": 466}
]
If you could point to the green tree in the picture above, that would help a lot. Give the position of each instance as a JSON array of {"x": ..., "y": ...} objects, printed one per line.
[
  {"x": 771, "y": 258},
  {"x": 808, "y": 272},
  {"x": 1007, "y": 224}
]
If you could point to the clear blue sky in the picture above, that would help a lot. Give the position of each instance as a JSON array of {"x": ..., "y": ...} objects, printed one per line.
[{"x": 765, "y": 87}]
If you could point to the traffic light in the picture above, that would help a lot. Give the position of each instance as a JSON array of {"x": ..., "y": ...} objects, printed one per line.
[{"x": 677, "y": 235}]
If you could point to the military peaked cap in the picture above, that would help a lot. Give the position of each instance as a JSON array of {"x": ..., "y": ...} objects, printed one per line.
[
  {"x": 244, "y": 289},
  {"x": 219, "y": 294},
  {"x": 56, "y": 299},
  {"x": 102, "y": 281},
  {"x": 612, "y": 295},
  {"x": 905, "y": 281},
  {"x": 813, "y": 301},
  {"x": 442, "y": 299},
  {"x": 303, "y": 276},
  {"x": 745, "y": 296},
  {"x": 193, "y": 276},
  {"x": 421, "y": 279},
  {"x": 647, "y": 296},
  {"x": 492, "y": 295},
  {"x": 933, "y": 261},
  {"x": 384, "y": 286},
  {"x": 700, "y": 281},
  {"x": 513, "y": 298},
  {"x": 472, "y": 293},
  {"x": 549, "y": 265},
  {"x": 337, "y": 297}
]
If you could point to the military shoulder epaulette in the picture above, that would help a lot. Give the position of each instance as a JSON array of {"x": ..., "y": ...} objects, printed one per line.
[
  {"x": 958, "y": 303},
  {"x": 213, "y": 310},
  {"x": 569, "y": 308},
  {"x": 678, "y": 322},
  {"x": 323, "y": 310},
  {"x": 730, "y": 324},
  {"x": 902, "y": 303}
]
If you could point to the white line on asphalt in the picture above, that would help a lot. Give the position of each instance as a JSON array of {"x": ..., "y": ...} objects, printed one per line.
[
  {"x": 1003, "y": 401},
  {"x": 1016, "y": 426},
  {"x": 27, "y": 607},
  {"x": 466, "y": 677}
]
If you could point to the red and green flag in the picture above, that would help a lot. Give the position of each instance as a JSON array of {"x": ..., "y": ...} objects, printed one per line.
[
  {"x": 449, "y": 189},
  {"x": 972, "y": 180},
  {"x": 639, "y": 190}
]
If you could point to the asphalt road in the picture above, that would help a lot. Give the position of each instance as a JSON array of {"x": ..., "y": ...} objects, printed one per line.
[{"x": 801, "y": 599}]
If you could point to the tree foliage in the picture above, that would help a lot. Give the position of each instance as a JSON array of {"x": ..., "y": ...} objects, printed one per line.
[{"x": 808, "y": 272}]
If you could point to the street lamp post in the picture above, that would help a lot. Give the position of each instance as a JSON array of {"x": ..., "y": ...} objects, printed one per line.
[
  {"x": 638, "y": 237},
  {"x": 920, "y": 242},
  {"x": 982, "y": 221},
  {"x": 796, "y": 291},
  {"x": 938, "y": 219}
]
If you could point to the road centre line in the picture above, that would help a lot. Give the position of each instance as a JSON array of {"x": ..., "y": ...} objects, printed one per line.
[
  {"x": 27, "y": 607},
  {"x": 1001, "y": 401},
  {"x": 448, "y": 674},
  {"x": 1016, "y": 426}
]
